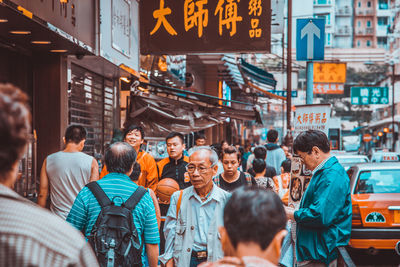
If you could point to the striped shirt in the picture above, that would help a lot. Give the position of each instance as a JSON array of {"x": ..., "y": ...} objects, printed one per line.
[
  {"x": 32, "y": 236},
  {"x": 117, "y": 186}
]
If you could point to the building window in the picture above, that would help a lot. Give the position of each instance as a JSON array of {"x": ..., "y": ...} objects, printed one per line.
[
  {"x": 369, "y": 4},
  {"x": 382, "y": 42},
  {"x": 368, "y": 43},
  {"x": 368, "y": 24},
  {"x": 383, "y": 4},
  {"x": 358, "y": 43},
  {"x": 358, "y": 23},
  {"x": 322, "y": 2},
  {"x": 359, "y": 4},
  {"x": 382, "y": 21}
]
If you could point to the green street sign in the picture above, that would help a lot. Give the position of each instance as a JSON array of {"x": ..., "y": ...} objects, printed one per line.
[{"x": 369, "y": 95}]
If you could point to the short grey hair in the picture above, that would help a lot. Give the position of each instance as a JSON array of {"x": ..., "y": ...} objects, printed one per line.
[{"x": 213, "y": 155}]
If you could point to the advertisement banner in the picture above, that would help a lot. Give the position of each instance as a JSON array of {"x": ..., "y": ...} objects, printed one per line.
[{"x": 307, "y": 117}]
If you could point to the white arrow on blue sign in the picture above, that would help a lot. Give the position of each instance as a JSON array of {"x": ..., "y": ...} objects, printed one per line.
[{"x": 310, "y": 39}]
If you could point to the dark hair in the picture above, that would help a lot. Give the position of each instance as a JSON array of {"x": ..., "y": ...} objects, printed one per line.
[
  {"x": 75, "y": 134},
  {"x": 217, "y": 148},
  {"x": 286, "y": 165},
  {"x": 253, "y": 214},
  {"x": 198, "y": 136},
  {"x": 175, "y": 134},
  {"x": 305, "y": 141},
  {"x": 241, "y": 150},
  {"x": 132, "y": 127},
  {"x": 260, "y": 152},
  {"x": 259, "y": 165},
  {"x": 224, "y": 141},
  {"x": 272, "y": 136},
  {"x": 14, "y": 126},
  {"x": 231, "y": 150},
  {"x": 120, "y": 157},
  {"x": 135, "y": 171}
]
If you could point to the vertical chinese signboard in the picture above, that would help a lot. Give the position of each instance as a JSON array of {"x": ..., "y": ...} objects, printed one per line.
[
  {"x": 307, "y": 117},
  {"x": 191, "y": 26}
]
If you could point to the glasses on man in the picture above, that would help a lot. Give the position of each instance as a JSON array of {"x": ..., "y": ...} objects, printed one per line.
[{"x": 201, "y": 169}]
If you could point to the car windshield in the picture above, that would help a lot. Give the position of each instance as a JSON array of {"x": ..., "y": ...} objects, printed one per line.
[
  {"x": 352, "y": 160},
  {"x": 378, "y": 182}
]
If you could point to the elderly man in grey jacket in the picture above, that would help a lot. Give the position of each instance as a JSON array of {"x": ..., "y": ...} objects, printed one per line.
[{"x": 191, "y": 226}]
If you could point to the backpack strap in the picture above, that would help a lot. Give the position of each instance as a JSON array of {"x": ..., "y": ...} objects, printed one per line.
[
  {"x": 99, "y": 194},
  {"x": 178, "y": 204},
  {"x": 134, "y": 199}
]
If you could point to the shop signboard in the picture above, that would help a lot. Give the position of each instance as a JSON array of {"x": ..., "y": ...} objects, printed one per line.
[
  {"x": 369, "y": 95},
  {"x": 332, "y": 73},
  {"x": 119, "y": 33},
  {"x": 190, "y": 26},
  {"x": 328, "y": 88},
  {"x": 307, "y": 117}
]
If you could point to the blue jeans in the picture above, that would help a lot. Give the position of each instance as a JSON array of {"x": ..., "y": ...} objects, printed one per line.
[{"x": 194, "y": 261}]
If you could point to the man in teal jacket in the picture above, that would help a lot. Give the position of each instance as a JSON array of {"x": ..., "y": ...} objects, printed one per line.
[{"x": 324, "y": 217}]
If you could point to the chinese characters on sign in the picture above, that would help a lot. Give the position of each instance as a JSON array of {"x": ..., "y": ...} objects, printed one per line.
[
  {"x": 311, "y": 117},
  {"x": 329, "y": 72},
  {"x": 189, "y": 26},
  {"x": 369, "y": 95},
  {"x": 328, "y": 88}
]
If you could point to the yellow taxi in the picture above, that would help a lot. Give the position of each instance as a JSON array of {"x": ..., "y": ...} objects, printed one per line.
[{"x": 375, "y": 193}]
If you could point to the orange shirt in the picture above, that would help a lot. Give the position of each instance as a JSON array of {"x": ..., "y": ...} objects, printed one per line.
[
  {"x": 285, "y": 178},
  {"x": 149, "y": 174}
]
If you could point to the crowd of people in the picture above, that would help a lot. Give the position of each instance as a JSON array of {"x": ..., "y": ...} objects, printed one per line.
[{"x": 213, "y": 205}]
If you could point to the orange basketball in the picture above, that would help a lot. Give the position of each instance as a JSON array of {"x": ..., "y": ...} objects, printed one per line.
[{"x": 165, "y": 188}]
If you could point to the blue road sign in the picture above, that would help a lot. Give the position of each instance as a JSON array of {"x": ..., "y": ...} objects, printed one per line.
[
  {"x": 310, "y": 39},
  {"x": 284, "y": 93}
]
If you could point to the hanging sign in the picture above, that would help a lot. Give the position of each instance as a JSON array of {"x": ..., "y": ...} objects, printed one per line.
[{"x": 196, "y": 26}]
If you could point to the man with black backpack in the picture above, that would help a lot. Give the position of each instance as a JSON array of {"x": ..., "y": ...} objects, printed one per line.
[{"x": 103, "y": 212}]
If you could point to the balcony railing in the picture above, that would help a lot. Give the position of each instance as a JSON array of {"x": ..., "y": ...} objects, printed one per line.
[
  {"x": 343, "y": 31},
  {"x": 367, "y": 31},
  {"x": 363, "y": 12},
  {"x": 344, "y": 11}
]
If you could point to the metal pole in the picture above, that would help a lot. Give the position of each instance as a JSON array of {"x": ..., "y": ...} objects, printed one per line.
[
  {"x": 393, "y": 107},
  {"x": 283, "y": 72},
  {"x": 289, "y": 68},
  {"x": 310, "y": 83}
]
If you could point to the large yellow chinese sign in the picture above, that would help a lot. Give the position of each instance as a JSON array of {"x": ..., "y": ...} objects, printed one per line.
[
  {"x": 185, "y": 26},
  {"x": 329, "y": 72}
]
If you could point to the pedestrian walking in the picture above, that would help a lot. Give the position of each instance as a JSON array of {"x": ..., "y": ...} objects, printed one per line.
[
  {"x": 66, "y": 172},
  {"x": 134, "y": 135},
  {"x": 101, "y": 211},
  {"x": 275, "y": 154},
  {"x": 324, "y": 216},
  {"x": 261, "y": 179},
  {"x": 191, "y": 227},
  {"x": 30, "y": 235},
  {"x": 174, "y": 166},
  {"x": 232, "y": 178},
  {"x": 261, "y": 153},
  {"x": 260, "y": 244},
  {"x": 282, "y": 181},
  {"x": 199, "y": 140}
]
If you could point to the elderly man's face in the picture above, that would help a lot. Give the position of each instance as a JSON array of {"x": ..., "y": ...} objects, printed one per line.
[{"x": 200, "y": 170}]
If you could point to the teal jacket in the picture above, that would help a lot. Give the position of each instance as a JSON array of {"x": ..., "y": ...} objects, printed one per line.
[{"x": 324, "y": 217}]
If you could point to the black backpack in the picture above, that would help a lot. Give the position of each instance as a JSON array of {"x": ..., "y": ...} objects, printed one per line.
[{"x": 114, "y": 237}]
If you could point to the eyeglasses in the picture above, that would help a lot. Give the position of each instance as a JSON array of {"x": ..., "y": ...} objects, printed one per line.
[{"x": 201, "y": 169}]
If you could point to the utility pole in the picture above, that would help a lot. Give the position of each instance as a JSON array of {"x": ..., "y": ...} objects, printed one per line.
[
  {"x": 289, "y": 68},
  {"x": 283, "y": 75},
  {"x": 393, "y": 107}
]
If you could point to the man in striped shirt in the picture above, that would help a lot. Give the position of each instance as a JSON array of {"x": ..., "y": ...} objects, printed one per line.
[
  {"x": 29, "y": 235},
  {"x": 118, "y": 187}
]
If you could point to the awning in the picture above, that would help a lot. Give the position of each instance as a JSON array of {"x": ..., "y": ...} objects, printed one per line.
[
  {"x": 159, "y": 115},
  {"x": 257, "y": 75}
]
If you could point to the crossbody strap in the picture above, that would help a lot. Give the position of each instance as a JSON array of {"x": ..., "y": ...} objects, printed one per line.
[
  {"x": 178, "y": 204},
  {"x": 99, "y": 194},
  {"x": 134, "y": 199}
]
